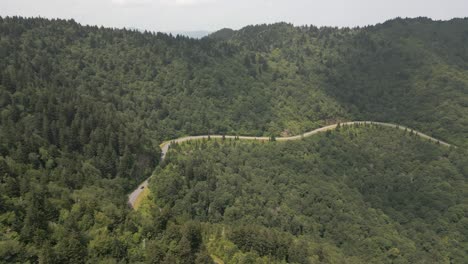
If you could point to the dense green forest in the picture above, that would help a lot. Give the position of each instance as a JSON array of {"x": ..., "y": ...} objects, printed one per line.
[
  {"x": 83, "y": 110},
  {"x": 356, "y": 195}
]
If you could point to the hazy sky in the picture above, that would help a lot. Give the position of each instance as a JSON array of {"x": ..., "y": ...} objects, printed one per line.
[{"x": 188, "y": 15}]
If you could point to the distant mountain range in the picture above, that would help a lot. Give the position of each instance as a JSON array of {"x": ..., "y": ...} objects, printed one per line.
[{"x": 192, "y": 34}]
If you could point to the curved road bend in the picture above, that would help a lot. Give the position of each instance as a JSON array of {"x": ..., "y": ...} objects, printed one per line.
[{"x": 165, "y": 146}]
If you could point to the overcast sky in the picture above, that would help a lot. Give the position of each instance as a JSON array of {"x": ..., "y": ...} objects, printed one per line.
[{"x": 190, "y": 15}]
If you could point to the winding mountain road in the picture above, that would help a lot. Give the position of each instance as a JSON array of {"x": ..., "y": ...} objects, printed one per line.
[{"x": 133, "y": 197}]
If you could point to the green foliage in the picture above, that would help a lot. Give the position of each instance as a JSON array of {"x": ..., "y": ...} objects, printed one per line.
[
  {"x": 367, "y": 194},
  {"x": 83, "y": 110}
]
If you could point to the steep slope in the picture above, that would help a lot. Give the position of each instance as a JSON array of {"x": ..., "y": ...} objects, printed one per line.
[
  {"x": 408, "y": 71},
  {"x": 414, "y": 72}
]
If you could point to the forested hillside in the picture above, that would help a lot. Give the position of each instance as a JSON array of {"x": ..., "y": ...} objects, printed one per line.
[
  {"x": 83, "y": 110},
  {"x": 362, "y": 194}
]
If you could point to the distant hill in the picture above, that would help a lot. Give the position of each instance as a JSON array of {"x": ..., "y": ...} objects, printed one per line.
[
  {"x": 191, "y": 34},
  {"x": 222, "y": 34}
]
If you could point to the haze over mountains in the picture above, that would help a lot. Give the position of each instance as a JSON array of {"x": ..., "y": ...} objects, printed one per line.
[
  {"x": 192, "y": 34},
  {"x": 83, "y": 111}
]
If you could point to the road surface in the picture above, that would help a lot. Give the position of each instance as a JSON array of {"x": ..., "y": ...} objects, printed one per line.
[
  {"x": 132, "y": 198},
  {"x": 165, "y": 146}
]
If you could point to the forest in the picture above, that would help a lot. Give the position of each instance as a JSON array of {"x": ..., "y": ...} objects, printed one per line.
[
  {"x": 83, "y": 110},
  {"x": 360, "y": 194}
]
